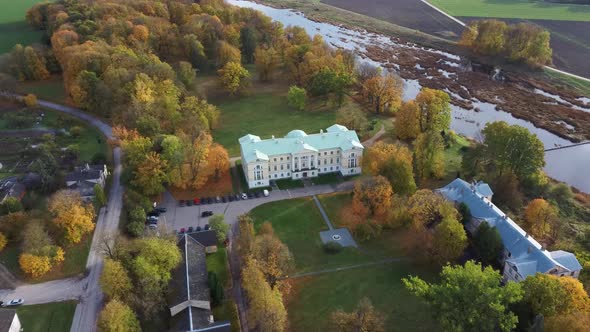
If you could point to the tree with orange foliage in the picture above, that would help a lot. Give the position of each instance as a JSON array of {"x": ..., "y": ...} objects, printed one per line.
[
  {"x": 372, "y": 196},
  {"x": 427, "y": 207},
  {"x": 194, "y": 170},
  {"x": 394, "y": 161},
  {"x": 74, "y": 218},
  {"x": 218, "y": 160},
  {"x": 62, "y": 39},
  {"x": 227, "y": 53},
  {"x": 541, "y": 219},
  {"x": 140, "y": 33},
  {"x": 383, "y": 92},
  {"x": 407, "y": 125}
]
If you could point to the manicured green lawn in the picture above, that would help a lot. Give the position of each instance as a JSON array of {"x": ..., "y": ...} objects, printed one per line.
[
  {"x": 51, "y": 89},
  {"x": 217, "y": 262},
  {"x": 264, "y": 115},
  {"x": 48, "y": 317},
  {"x": 297, "y": 222},
  {"x": 314, "y": 298},
  {"x": 13, "y": 27},
  {"x": 289, "y": 184},
  {"x": 525, "y": 9}
]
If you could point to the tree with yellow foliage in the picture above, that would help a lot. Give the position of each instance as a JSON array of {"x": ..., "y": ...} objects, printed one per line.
[
  {"x": 71, "y": 215},
  {"x": 30, "y": 100},
  {"x": 33, "y": 265},
  {"x": 150, "y": 174},
  {"x": 428, "y": 155},
  {"x": 117, "y": 317},
  {"x": 541, "y": 218},
  {"x": 407, "y": 125},
  {"x": 384, "y": 93},
  {"x": 233, "y": 77},
  {"x": 267, "y": 61},
  {"x": 273, "y": 256},
  {"x": 266, "y": 310},
  {"x": 114, "y": 280},
  {"x": 3, "y": 241},
  {"x": 427, "y": 208},
  {"x": 395, "y": 162},
  {"x": 227, "y": 53}
]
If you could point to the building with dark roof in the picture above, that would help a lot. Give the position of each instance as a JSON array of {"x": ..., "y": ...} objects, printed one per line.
[
  {"x": 189, "y": 298},
  {"x": 523, "y": 256},
  {"x": 83, "y": 179},
  {"x": 9, "y": 321},
  {"x": 11, "y": 187},
  {"x": 207, "y": 238}
]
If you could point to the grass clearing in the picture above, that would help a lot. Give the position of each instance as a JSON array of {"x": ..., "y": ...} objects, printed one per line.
[
  {"x": 217, "y": 262},
  {"x": 48, "y": 317},
  {"x": 524, "y": 9},
  {"x": 581, "y": 86},
  {"x": 312, "y": 299},
  {"x": 297, "y": 222},
  {"x": 264, "y": 115},
  {"x": 51, "y": 89},
  {"x": 13, "y": 27}
]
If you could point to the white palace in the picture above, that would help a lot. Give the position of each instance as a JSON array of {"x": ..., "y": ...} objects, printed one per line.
[{"x": 299, "y": 155}]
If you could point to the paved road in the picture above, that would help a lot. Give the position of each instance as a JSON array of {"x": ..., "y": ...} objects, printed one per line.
[{"x": 86, "y": 290}]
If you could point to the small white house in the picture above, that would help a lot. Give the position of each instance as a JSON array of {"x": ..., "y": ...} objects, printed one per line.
[
  {"x": 523, "y": 256},
  {"x": 9, "y": 321},
  {"x": 299, "y": 155}
]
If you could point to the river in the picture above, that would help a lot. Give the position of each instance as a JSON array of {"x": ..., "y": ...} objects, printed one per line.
[{"x": 571, "y": 165}]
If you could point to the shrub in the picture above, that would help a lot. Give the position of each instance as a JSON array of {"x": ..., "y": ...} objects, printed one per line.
[
  {"x": 30, "y": 100},
  {"x": 297, "y": 97},
  {"x": 3, "y": 241},
  {"x": 33, "y": 265},
  {"x": 332, "y": 247},
  {"x": 10, "y": 205},
  {"x": 76, "y": 131},
  {"x": 135, "y": 228}
]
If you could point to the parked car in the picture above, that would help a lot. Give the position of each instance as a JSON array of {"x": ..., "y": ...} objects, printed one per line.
[
  {"x": 244, "y": 196},
  {"x": 152, "y": 220},
  {"x": 265, "y": 193},
  {"x": 205, "y": 214},
  {"x": 257, "y": 194},
  {"x": 206, "y": 227},
  {"x": 217, "y": 199},
  {"x": 153, "y": 226},
  {"x": 231, "y": 198},
  {"x": 161, "y": 209},
  {"x": 190, "y": 229},
  {"x": 198, "y": 228},
  {"x": 223, "y": 199},
  {"x": 13, "y": 303},
  {"x": 209, "y": 200},
  {"x": 189, "y": 203},
  {"x": 250, "y": 194},
  {"x": 182, "y": 231},
  {"x": 197, "y": 201},
  {"x": 237, "y": 197},
  {"x": 182, "y": 202},
  {"x": 203, "y": 200}
]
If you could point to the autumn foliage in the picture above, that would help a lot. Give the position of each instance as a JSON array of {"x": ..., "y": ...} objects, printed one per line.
[{"x": 71, "y": 215}]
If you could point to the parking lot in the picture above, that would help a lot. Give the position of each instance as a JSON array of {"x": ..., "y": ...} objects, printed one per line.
[{"x": 178, "y": 217}]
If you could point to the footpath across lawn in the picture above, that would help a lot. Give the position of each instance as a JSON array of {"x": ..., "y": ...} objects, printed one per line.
[{"x": 50, "y": 317}]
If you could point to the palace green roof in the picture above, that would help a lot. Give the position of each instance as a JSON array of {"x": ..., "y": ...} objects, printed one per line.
[{"x": 335, "y": 137}]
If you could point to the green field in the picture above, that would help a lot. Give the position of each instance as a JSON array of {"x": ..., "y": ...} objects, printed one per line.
[
  {"x": 13, "y": 27},
  {"x": 264, "y": 115},
  {"x": 311, "y": 300},
  {"x": 49, "y": 317},
  {"x": 525, "y": 9}
]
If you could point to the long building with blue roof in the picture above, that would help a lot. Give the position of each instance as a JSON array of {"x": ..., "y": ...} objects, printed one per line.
[
  {"x": 299, "y": 155},
  {"x": 523, "y": 256}
]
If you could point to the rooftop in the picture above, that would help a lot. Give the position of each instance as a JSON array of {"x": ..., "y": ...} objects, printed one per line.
[
  {"x": 336, "y": 136},
  {"x": 88, "y": 172},
  {"x": 6, "y": 318},
  {"x": 528, "y": 255}
]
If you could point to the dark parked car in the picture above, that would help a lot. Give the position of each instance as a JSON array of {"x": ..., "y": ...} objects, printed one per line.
[
  {"x": 161, "y": 209},
  {"x": 250, "y": 195},
  {"x": 182, "y": 202},
  {"x": 203, "y": 200},
  {"x": 206, "y": 227},
  {"x": 223, "y": 199},
  {"x": 198, "y": 228},
  {"x": 257, "y": 194},
  {"x": 209, "y": 200},
  {"x": 190, "y": 229},
  {"x": 189, "y": 203},
  {"x": 231, "y": 198},
  {"x": 206, "y": 214}
]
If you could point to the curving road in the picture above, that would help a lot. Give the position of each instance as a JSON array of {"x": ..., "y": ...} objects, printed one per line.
[{"x": 86, "y": 290}]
